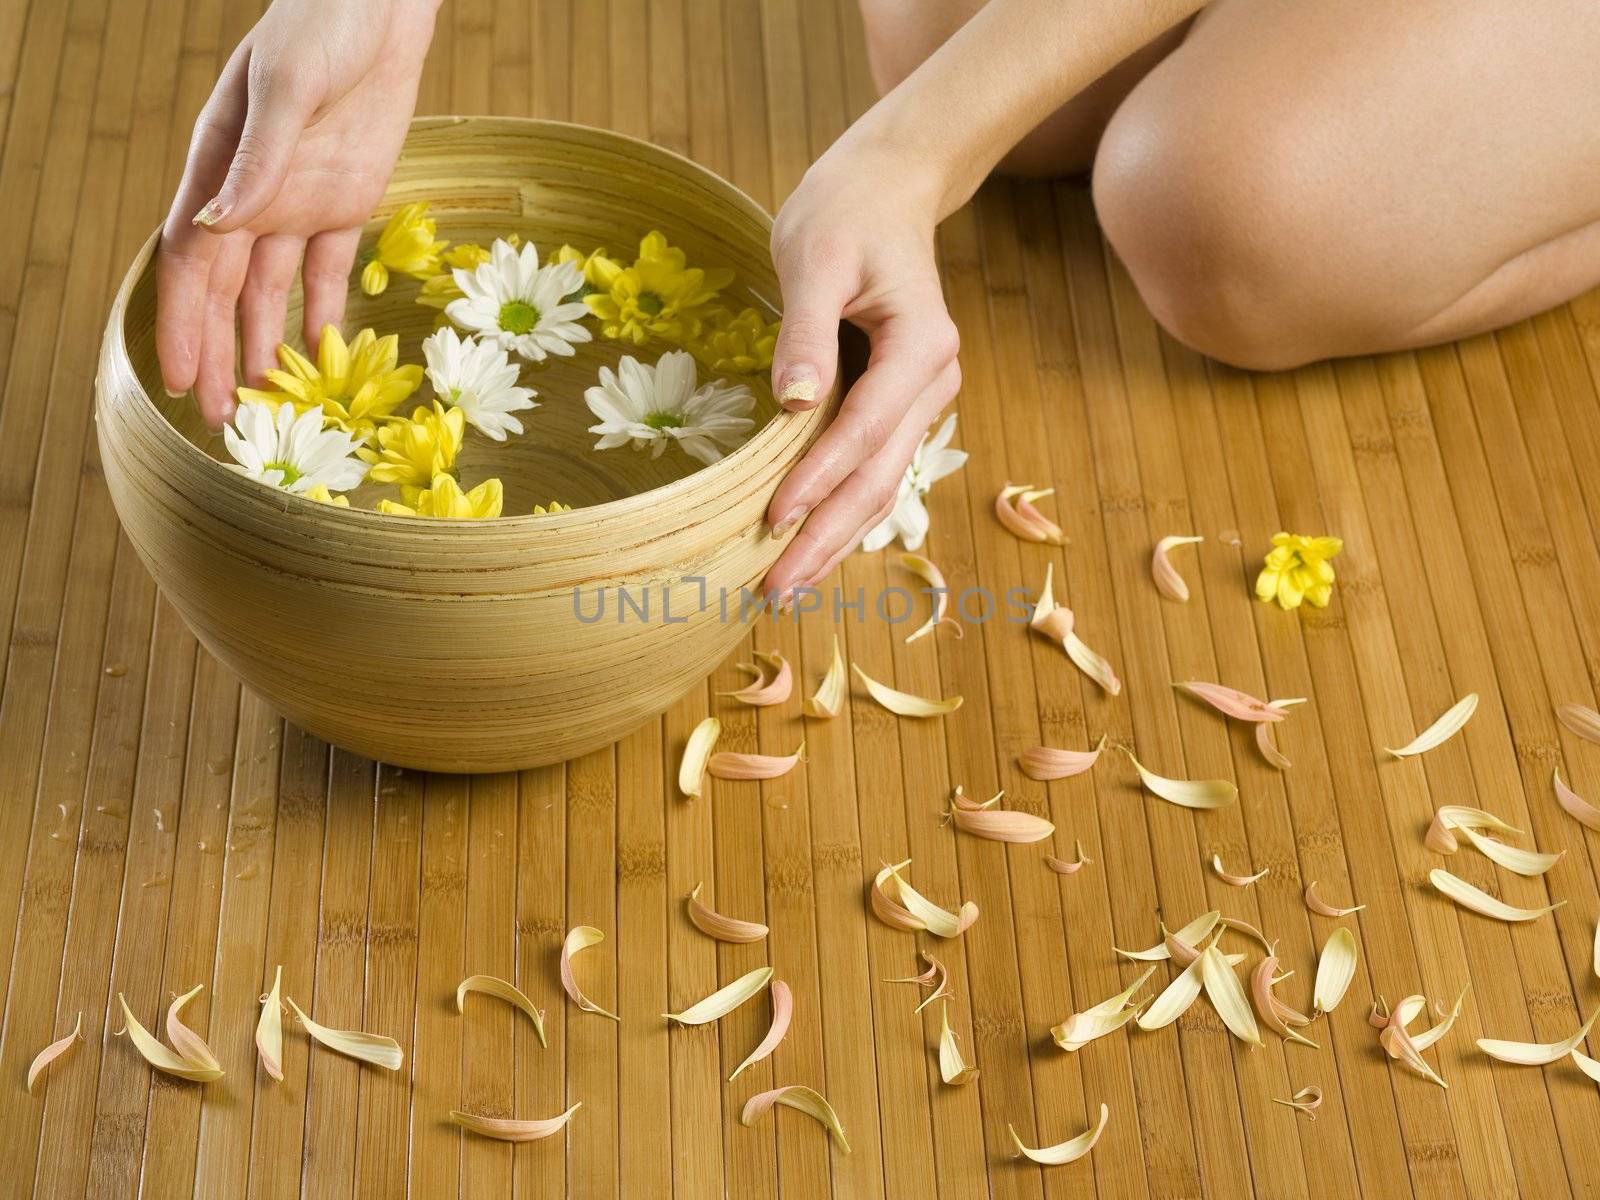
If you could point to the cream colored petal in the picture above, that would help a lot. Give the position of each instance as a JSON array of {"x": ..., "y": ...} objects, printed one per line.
[
  {"x": 730, "y": 765},
  {"x": 1236, "y": 880},
  {"x": 1522, "y": 862},
  {"x": 190, "y": 1045},
  {"x": 1100, "y": 1019},
  {"x": 500, "y": 989},
  {"x": 925, "y": 570},
  {"x": 1045, "y": 763},
  {"x": 54, "y": 1051},
  {"x": 774, "y": 680},
  {"x": 899, "y": 904},
  {"x": 159, "y": 1056},
  {"x": 691, "y": 772},
  {"x": 373, "y": 1048},
  {"x": 1094, "y": 665},
  {"x": 1014, "y": 509},
  {"x": 1227, "y": 996},
  {"x": 1584, "y": 722},
  {"x": 724, "y": 929},
  {"x": 1269, "y": 748},
  {"x": 1336, "y": 967},
  {"x": 801, "y": 1099},
  {"x": 1464, "y": 894},
  {"x": 1441, "y": 838},
  {"x": 269, "y": 1028},
  {"x": 1322, "y": 908},
  {"x": 1001, "y": 825},
  {"x": 1175, "y": 998},
  {"x": 904, "y": 704},
  {"x": 1532, "y": 1054},
  {"x": 1167, "y": 580},
  {"x": 506, "y": 1130},
  {"x": 1067, "y": 1151},
  {"x": 580, "y": 938},
  {"x": 1307, "y": 1100},
  {"x": 1446, "y": 727},
  {"x": 953, "y": 1068},
  {"x": 829, "y": 697},
  {"x": 1062, "y": 867},
  {"x": 724, "y": 1000},
  {"x": 1267, "y": 1006},
  {"x": 782, "y": 1012},
  {"x": 1195, "y": 932},
  {"x": 1587, "y": 1065},
  {"x": 1198, "y": 793},
  {"x": 1429, "y": 1036},
  {"x": 1575, "y": 806},
  {"x": 1398, "y": 1045}
]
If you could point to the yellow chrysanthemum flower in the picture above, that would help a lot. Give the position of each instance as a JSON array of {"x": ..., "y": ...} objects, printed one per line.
[
  {"x": 658, "y": 297},
  {"x": 438, "y": 290},
  {"x": 597, "y": 267},
  {"x": 555, "y": 506},
  {"x": 407, "y": 245},
  {"x": 412, "y": 452},
  {"x": 446, "y": 499},
  {"x": 736, "y": 345},
  {"x": 319, "y": 491},
  {"x": 1298, "y": 568},
  {"x": 357, "y": 385}
]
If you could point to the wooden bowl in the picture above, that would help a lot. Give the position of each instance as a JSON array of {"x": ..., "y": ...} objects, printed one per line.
[{"x": 472, "y": 645}]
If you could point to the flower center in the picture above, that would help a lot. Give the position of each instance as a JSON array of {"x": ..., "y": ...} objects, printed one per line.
[
  {"x": 651, "y": 304},
  {"x": 291, "y": 473},
  {"x": 664, "y": 420},
  {"x": 518, "y": 316}
]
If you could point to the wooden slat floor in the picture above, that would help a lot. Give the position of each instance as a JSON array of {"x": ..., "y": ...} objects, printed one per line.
[{"x": 160, "y": 827}]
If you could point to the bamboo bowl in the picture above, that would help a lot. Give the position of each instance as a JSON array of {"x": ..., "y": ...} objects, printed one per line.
[{"x": 458, "y": 645}]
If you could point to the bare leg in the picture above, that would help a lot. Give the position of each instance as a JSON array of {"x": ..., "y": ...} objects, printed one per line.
[
  {"x": 902, "y": 33},
  {"x": 1299, "y": 181}
]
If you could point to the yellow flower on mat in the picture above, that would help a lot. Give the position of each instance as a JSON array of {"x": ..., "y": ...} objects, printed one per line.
[
  {"x": 319, "y": 491},
  {"x": 446, "y": 499},
  {"x": 413, "y": 452},
  {"x": 438, "y": 290},
  {"x": 357, "y": 384},
  {"x": 736, "y": 345},
  {"x": 1298, "y": 568},
  {"x": 407, "y": 245},
  {"x": 658, "y": 297}
]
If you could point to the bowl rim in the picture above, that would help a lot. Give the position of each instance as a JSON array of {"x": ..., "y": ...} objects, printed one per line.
[{"x": 759, "y": 446}]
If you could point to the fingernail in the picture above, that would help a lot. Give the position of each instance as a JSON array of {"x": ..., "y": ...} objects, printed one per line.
[
  {"x": 789, "y": 521},
  {"x": 799, "y": 385},
  {"x": 210, "y": 213},
  {"x": 172, "y": 395},
  {"x": 786, "y": 601}
]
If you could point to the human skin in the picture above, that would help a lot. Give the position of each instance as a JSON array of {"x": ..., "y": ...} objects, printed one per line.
[{"x": 1284, "y": 181}]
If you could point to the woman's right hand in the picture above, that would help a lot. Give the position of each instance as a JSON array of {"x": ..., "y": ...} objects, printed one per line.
[{"x": 288, "y": 159}]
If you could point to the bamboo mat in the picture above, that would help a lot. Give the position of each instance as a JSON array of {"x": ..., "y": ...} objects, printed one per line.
[{"x": 160, "y": 828}]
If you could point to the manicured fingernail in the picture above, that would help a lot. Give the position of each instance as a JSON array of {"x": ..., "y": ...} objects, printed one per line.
[
  {"x": 172, "y": 395},
  {"x": 786, "y": 601},
  {"x": 789, "y": 521},
  {"x": 210, "y": 213},
  {"x": 799, "y": 385}
]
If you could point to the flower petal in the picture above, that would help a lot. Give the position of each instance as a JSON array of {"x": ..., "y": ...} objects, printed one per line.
[
  {"x": 1322, "y": 908},
  {"x": 1269, "y": 748},
  {"x": 1062, "y": 867},
  {"x": 507, "y": 1130},
  {"x": 1001, "y": 825},
  {"x": 1227, "y": 996},
  {"x": 1441, "y": 730},
  {"x": 1175, "y": 998},
  {"x": 54, "y": 1051},
  {"x": 904, "y": 704},
  {"x": 731, "y": 765},
  {"x": 189, "y": 1044},
  {"x": 1231, "y": 702},
  {"x": 1045, "y": 763},
  {"x": 1441, "y": 836},
  {"x": 1067, "y": 1151},
  {"x": 1512, "y": 858},
  {"x": 801, "y": 1099},
  {"x": 1479, "y": 901},
  {"x": 1100, "y": 1019},
  {"x": 782, "y": 1011},
  {"x": 724, "y": 1000},
  {"x": 1532, "y": 1054},
  {"x": 691, "y": 772},
  {"x": 1014, "y": 509},
  {"x": 159, "y": 1056},
  {"x": 1575, "y": 806},
  {"x": 1267, "y": 1005},
  {"x": 1168, "y": 582},
  {"x": 580, "y": 937},
  {"x": 953, "y": 1068},
  {"x": 1200, "y": 793},
  {"x": 500, "y": 989},
  {"x": 1092, "y": 664},
  {"x": 1307, "y": 1100},
  {"x": 1584, "y": 722},
  {"x": 829, "y": 697},
  {"x": 724, "y": 929},
  {"x": 1236, "y": 880},
  {"x": 373, "y": 1048},
  {"x": 269, "y": 1028},
  {"x": 896, "y": 903},
  {"x": 925, "y": 570},
  {"x": 765, "y": 690},
  {"x": 1192, "y": 934},
  {"x": 1336, "y": 967}
]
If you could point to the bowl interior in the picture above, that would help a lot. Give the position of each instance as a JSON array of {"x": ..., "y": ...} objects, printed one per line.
[{"x": 555, "y": 458}]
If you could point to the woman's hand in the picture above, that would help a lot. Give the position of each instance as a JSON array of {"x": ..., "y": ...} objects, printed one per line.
[
  {"x": 288, "y": 159},
  {"x": 855, "y": 240}
]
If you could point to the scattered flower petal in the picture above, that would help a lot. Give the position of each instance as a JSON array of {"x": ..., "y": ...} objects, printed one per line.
[
  {"x": 1531, "y": 1054},
  {"x": 925, "y": 570},
  {"x": 896, "y": 903},
  {"x": 1274, "y": 1012},
  {"x": 500, "y": 989},
  {"x": 1168, "y": 582},
  {"x": 1397, "y": 1043},
  {"x": 1587, "y": 1065},
  {"x": 1092, "y": 664},
  {"x": 724, "y": 1000},
  {"x": 1479, "y": 901},
  {"x": 1336, "y": 967},
  {"x": 801, "y": 1099},
  {"x": 580, "y": 937},
  {"x": 1062, "y": 867},
  {"x": 1231, "y": 702},
  {"x": 1584, "y": 722},
  {"x": 160, "y": 1057},
  {"x": 953, "y": 1068},
  {"x": 904, "y": 704},
  {"x": 1269, "y": 748},
  {"x": 373, "y": 1048},
  {"x": 1045, "y": 763},
  {"x": 1100, "y": 1019},
  {"x": 54, "y": 1051},
  {"x": 773, "y": 682},
  {"x": 1307, "y": 1100},
  {"x": 1441, "y": 836},
  {"x": 731, "y": 765},
  {"x": 269, "y": 1028},
  {"x": 996, "y": 824},
  {"x": 724, "y": 929},
  {"x": 1522, "y": 862},
  {"x": 829, "y": 697},
  {"x": 1404, "y": 1016},
  {"x": 1192, "y": 934},
  {"x": 937, "y": 976},
  {"x": 1227, "y": 996},
  {"x": 1014, "y": 509},
  {"x": 782, "y": 1011},
  {"x": 1322, "y": 908},
  {"x": 1175, "y": 998},
  {"x": 1236, "y": 880},
  {"x": 692, "y": 771},
  {"x": 1065, "y": 1152},
  {"x": 506, "y": 1130},
  {"x": 189, "y": 1044},
  {"x": 1201, "y": 793},
  {"x": 1576, "y": 806},
  {"x": 1442, "y": 729}
]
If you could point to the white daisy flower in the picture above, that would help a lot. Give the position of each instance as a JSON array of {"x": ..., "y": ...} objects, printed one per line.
[
  {"x": 479, "y": 378},
  {"x": 517, "y": 303},
  {"x": 931, "y": 463},
  {"x": 656, "y": 406},
  {"x": 290, "y": 451}
]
